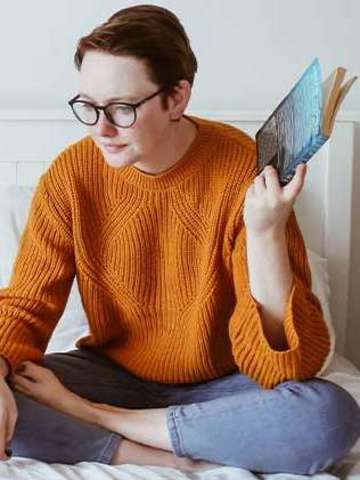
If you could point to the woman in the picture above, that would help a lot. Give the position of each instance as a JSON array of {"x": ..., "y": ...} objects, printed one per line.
[{"x": 205, "y": 336}]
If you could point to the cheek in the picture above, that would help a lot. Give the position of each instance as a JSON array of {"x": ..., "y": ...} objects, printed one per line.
[
  {"x": 155, "y": 128},
  {"x": 145, "y": 137}
]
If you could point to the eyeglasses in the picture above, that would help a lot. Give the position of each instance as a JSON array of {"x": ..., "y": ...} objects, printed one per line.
[{"x": 121, "y": 114}]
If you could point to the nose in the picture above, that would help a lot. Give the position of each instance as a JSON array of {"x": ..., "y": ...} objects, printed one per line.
[{"x": 104, "y": 127}]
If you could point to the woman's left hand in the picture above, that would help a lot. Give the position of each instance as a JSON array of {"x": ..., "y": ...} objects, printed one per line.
[
  {"x": 38, "y": 383},
  {"x": 267, "y": 204}
]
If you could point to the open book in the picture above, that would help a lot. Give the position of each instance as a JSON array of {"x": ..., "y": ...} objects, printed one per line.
[{"x": 302, "y": 122}]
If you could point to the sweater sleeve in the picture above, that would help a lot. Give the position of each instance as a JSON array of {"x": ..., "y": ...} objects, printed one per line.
[
  {"x": 307, "y": 334},
  {"x": 40, "y": 283}
]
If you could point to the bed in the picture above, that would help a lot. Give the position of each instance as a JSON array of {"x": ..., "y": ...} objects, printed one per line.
[{"x": 325, "y": 222}]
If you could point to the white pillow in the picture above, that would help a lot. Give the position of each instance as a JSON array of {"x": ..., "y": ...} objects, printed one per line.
[
  {"x": 321, "y": 288},
  {"x": 15, "y": 203}
]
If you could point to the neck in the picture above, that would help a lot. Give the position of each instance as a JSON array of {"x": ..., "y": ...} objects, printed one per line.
[{"x": 178, "y": 141}]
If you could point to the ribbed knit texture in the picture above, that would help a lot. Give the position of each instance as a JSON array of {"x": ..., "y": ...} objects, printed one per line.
[{"x": 161, "y": 266}]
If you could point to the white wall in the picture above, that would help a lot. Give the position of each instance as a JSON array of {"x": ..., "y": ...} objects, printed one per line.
[{"x": 249, "y": 52}]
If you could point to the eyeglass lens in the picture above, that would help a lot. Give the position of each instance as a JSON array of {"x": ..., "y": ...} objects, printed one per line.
[{"x": 122, "y": 115}]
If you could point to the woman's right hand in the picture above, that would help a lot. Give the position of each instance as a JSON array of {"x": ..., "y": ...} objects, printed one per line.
[{"x": 8, "y": 417}]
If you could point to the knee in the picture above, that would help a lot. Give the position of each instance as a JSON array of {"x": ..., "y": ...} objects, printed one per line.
[
  {"x": 340, "y": 417},
  {"x": 335, "y": 419}
]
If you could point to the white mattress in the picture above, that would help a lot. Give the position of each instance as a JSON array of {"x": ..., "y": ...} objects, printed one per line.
[{"x": 340, "y": 371}]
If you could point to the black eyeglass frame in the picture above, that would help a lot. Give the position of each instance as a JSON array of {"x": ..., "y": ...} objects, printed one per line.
[{"x": 134, "y": 106}]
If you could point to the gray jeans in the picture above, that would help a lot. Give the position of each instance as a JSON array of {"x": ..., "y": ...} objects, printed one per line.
[{"x": 297, "y": 427}]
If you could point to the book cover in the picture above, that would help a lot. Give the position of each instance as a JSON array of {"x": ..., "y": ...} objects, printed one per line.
[{"x": 293, "y": 132}]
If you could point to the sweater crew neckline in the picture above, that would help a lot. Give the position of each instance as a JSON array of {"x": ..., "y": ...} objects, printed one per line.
[{"x": 173, "y": 176}]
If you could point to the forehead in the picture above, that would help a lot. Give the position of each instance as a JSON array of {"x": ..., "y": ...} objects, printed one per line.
[{"x": 103, "y": 75}]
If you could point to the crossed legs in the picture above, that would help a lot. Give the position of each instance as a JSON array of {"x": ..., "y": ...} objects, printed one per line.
[
  {"x": 146, "y": 441},
  {"x": 298, "y": 427}
]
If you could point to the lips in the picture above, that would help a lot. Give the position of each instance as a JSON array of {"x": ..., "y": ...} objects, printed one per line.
[{"x": 113, "y": 147}]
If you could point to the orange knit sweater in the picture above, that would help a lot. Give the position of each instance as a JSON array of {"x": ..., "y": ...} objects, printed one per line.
[{"x": 161, "y": 266}]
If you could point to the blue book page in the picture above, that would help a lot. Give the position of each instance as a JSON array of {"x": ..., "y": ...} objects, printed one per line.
[{"x": 292, "y": 133}]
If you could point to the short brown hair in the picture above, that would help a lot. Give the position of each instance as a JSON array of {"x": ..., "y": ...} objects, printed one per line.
[{"x": 150, "y": 33}]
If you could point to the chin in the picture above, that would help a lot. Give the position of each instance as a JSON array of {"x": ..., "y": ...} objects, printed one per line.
[{"x": 118, "y": 161}]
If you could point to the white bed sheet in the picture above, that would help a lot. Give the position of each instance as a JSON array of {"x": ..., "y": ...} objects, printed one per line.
[{"x": 340, "y": 371}]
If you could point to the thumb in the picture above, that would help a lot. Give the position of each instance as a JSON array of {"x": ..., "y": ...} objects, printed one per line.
[{"x": 294, "y": 187}]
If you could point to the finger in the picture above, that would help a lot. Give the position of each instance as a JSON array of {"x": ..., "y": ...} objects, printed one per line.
[
  {"x": 259, "y": 183},
  {"x": 293, "y": 188},
  {"x": 27, "y": 366},
  {"x": 30, "y": 371},
  {"x": 272, "y": 180},
  {"x": 23, "y": 382},
  {"x": 19, "y": 388},
  {"x": 249, "y": 190},
  {"x": 34, "y": 370}
]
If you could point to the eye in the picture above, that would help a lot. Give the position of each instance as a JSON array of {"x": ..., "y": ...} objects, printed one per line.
[
  {"x": 85, "y": 112},
  {"x": 86, "y": 106},
  {"x": 122, "y": 109}
]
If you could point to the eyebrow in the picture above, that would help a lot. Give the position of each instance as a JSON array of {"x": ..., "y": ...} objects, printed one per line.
[{"x": 122, "y": 99}]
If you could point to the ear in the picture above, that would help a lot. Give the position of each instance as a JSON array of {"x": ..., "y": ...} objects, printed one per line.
[{"x": 179, "y": 99}]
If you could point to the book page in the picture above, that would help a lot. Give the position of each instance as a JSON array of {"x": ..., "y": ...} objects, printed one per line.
[
  {"x": 343, "y": 92},
  {"x": 331, "y": 92}
]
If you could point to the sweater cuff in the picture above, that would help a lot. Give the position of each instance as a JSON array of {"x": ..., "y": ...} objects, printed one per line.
[{"x": 306, "y": 333}]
